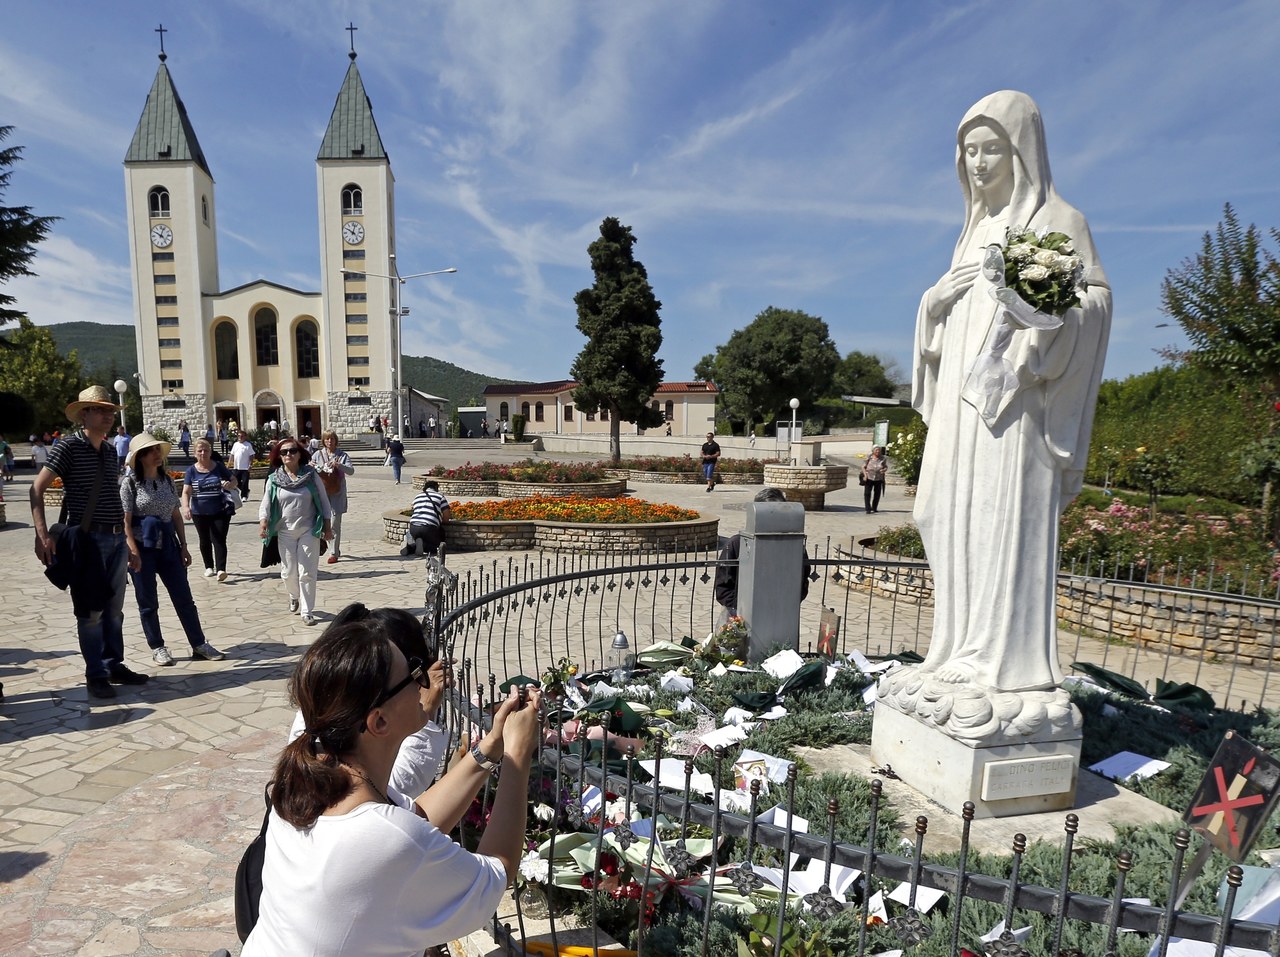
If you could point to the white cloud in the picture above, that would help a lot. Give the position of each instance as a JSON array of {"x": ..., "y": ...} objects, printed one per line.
[{"x": 74, "y": 284}]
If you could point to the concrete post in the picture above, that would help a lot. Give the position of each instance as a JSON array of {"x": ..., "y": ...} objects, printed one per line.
[{"x": 770, "y": 566}]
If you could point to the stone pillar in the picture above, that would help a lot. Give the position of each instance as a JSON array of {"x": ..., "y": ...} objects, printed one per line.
[{"x": 770, "y": 563}]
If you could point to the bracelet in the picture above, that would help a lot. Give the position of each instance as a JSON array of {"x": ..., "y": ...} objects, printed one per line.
[{"x": 485, "y": 763}]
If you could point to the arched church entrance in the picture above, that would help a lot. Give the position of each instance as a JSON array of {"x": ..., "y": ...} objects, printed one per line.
[{"x": 268, "y": 407}]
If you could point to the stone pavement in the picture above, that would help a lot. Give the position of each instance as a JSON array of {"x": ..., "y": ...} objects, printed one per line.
[{"x": 121, "y": 822}]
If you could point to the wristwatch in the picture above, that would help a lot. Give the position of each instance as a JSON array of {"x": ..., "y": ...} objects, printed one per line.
[{"x": 485, "y": 763}]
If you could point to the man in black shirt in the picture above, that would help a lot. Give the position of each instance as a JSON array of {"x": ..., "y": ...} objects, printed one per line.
[
  {"x": 100, "y": 554},
  {"x": 710, "y": 456}
]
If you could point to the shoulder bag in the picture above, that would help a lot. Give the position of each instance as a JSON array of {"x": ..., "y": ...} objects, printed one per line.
[{"x": 249, "y": 877}]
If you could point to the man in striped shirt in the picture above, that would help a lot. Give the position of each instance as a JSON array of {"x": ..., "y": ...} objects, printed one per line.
[
  {"x": 101, "y": 554},
  {"x": 426, "y": 525}
]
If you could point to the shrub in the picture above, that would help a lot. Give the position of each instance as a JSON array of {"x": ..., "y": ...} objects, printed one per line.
[
  {"x": 906, "y": 448},
  {"x": 900, "y": 540},
  {"x": 687, "y": 463}
]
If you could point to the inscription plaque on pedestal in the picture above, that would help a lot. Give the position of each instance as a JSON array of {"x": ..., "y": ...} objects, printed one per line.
[{"x": 1027, "y": 777}]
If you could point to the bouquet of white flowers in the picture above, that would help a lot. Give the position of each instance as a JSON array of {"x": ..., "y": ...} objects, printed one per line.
[{"x": 1041, "y": 270}]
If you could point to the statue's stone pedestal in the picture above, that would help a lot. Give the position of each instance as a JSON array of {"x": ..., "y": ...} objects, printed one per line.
[{"x": 1002, "y": 777}]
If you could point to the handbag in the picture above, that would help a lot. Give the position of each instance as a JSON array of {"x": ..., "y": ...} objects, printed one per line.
[
  {"x": 332, "y": 481},
  {"x": 248, "y": 891},
  {"x": 862, "y": 479},
  {"x": 270, "y": 552},
  {"x": 231, "y": 499}
]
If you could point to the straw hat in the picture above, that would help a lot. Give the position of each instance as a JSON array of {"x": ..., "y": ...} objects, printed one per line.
[
  {"x": 94, "y": 395},
  {"x": 145, "y": 440}
]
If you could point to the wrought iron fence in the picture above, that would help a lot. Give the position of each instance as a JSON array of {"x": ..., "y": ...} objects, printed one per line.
[{"x": 519, "y": 616}]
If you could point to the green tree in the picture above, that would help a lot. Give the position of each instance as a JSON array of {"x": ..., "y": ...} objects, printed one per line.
[
  {"x": 20, "y": 231},
  {"x": 861, "y": 374},
  {"x": 618, "y": 370},
  {"x": 783, "y": 354},
  {"x": 36, "y": 370},
  {"x": 1227, "y": 301}
]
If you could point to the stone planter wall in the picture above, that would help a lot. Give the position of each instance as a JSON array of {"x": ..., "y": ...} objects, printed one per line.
[
  {"x": 807, "y": 484},
  {"x": 606, "y": 488},
  {"x": 697, "y": 534},
  {"x": 1247, "y": 633},
  {"x": 695, "y": 478},
  {"x": 53, "y": 498}
]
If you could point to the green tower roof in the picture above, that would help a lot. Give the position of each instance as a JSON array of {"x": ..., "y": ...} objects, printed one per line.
[
  {"x": 352, "y": 132},
  {"x": 164, "y": 132}
]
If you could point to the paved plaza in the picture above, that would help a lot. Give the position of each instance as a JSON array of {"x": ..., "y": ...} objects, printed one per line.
[{"x": 121, "y": 822}]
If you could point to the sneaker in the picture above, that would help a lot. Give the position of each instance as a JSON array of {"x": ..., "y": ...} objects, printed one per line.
[
  {"x": 206, "y": 652},
  {"x": 222, "y": 576},
  {"x": 293, "y": 606},
  {"x": 208, "y": 573},
  {"x": 100, "y": 688},
  {"x": 162, "y": 657},
  {"x": 406, "y": 551},
  {"x": 308, "y": 619},
  {"x": 331, "y": 560},
  {"x": 121, "y": 675}
]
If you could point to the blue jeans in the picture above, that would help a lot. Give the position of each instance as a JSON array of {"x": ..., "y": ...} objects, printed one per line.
[
  {"x": 397, "y": 463},
  {"x": 166, "y": 565},
  {"x": 101, "y": 633},
  {"x": 708, "y": 471}
]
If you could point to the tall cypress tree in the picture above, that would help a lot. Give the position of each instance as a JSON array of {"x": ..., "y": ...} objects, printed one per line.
[
  {"x": 618, "y": 370},
  {"x": 20, "y": 230}
]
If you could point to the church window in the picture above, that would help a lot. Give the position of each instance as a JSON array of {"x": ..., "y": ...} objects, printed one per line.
[
  {"x": 352, "y": 382},
  {"x": 354, "y": 276},
  {"x": 353, "y": 254},
  {"x": 568, "y": 413},
  {"x": 604, "y": 414},
  {"x": 537, "y": 412},
  {"x": 307, "y": 346},
  {"x": 504, "y": 410},
  {"x": 352, "y": 200},
  {"x": 524, "y": 410},
  {"x": 357, "y": 340},
  {"x": 226, "y": 351},
  {"x": 166, "y": 300},
  {"x": 591, "y": 416},
  {"x": 265, "y": 337},
  {"x": 162, "y": 257},
  {"x": 357, "y": 360},
  {"x": 166, "y": 279},
  {"x": 171, "y": 383},
  {"x": 357, "y": 319},
  {"x": 204, "y": 209},
  {"x": 670, "y": 412},
  {"x": 158, "y": 202},
  {"x": 166, "y": 320},
  {"x": 170, "y": 363},
  {"x": 169, "y": 343},
  {"x": 357, "y": 297}
]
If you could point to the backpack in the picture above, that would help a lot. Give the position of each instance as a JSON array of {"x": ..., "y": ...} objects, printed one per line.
[{"x": 249, "y": 878}]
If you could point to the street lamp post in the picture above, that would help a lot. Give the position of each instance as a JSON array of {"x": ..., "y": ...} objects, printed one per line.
[
  {"x": 791, "y": 436},
  {"x": 399, "y": 314},
  {"x": 121, "y": 388}
]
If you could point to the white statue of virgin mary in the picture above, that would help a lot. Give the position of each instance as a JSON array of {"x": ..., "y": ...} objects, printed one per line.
[{"x": 1009, "y": 405}]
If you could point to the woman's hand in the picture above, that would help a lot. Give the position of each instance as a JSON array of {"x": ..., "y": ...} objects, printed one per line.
[
  {"x": 522, "y": 731},
  {"x": 327, "y": 532},
  {"x": 262, "y": 528},
  {"x": 186, "y": 513},
  {"x": 493, "y": 744},
  {"x": 228, "y": 485},
  {"x": 186, "y": 556},
  {"x": 946, "y": 292},
  {"x": 438, "y": 676}
]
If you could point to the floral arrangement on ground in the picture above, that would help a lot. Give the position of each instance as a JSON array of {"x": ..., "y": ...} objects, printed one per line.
[
  {"x": 572, "y": 508},
  {"x": 687, "y": 463},
  {"x": 609, "y": 859},
  {"x": 534, "y": 471}
]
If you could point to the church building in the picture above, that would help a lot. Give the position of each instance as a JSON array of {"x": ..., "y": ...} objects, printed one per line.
[{"x": 261, "y": 351}]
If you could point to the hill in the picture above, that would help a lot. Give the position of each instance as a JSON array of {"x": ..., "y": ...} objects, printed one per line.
[{"x": 107, "y": 352}]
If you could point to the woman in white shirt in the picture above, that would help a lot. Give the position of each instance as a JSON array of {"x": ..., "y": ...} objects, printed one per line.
[{"x": 352, "y": 865}]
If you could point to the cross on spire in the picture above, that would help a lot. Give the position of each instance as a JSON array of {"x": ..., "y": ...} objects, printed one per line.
[
  {"x": 351, "y": 28},
  {"x": 162, "y": 31}
]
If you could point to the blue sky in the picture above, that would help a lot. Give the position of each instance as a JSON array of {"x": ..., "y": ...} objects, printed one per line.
[{"x": 794, "y": 154}]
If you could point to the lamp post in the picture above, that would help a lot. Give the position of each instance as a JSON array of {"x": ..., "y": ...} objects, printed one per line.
[
  {"x": 399, "y": 314},
  {"x": 121, "y": 388},
  {"x": 791, "y": 436}
]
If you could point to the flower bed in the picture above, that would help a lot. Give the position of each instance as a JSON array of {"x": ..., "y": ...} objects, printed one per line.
[
  {"x": 686, "y": 470},
  {"x": 568, "y": 524},
  {"x": 534, "y": 471},
  {"x": 516, "y": 489}
]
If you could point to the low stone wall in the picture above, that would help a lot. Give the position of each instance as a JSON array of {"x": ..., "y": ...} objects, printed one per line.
[
  {"x": 695, "y": 478},
  {"x": 53, "y": 498},
  {"x": 606, "y": 488},
  {"x": 1214, "y": 625},
  {"x": 697, "y": 534},
  {"x": 807, "y": 484}
]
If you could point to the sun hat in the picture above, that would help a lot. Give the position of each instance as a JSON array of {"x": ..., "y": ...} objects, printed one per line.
[
  {"x": 145, "y": 440},
  {"x": 94, "y": 395}
]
